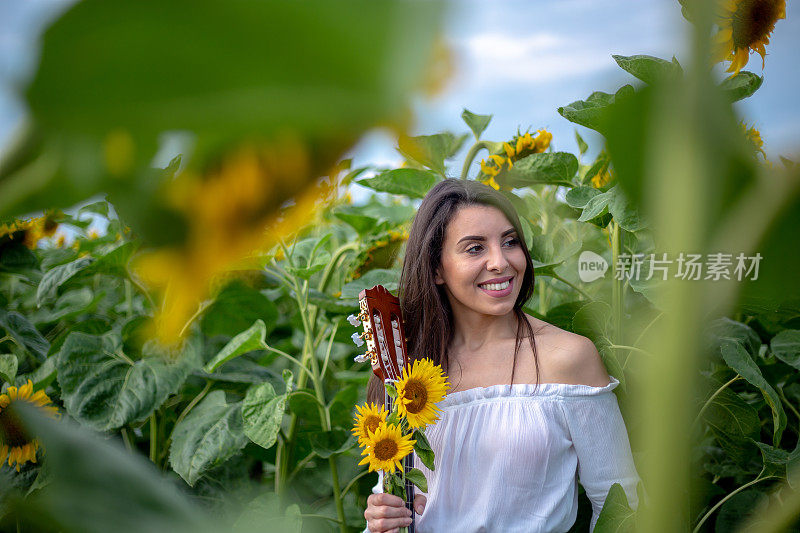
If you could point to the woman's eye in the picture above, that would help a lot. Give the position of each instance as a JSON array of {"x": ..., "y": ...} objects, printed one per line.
[{"x": 476, "y": 247}]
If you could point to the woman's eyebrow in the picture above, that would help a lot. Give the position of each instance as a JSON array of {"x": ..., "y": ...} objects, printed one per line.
[{"x": 482, "y": 238}]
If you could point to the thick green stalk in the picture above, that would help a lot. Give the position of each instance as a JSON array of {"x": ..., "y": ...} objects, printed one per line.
[
  {"x": 473, "y": 151},
  {"x": 153, "y": 439},
  {"x": 616, "y": 284}
]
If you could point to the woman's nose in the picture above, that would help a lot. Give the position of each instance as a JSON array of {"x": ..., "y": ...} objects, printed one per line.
[{"x": 496, "y": 259}]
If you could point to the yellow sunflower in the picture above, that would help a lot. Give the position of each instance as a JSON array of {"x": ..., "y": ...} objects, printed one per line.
[
  {"x": 745, "y": 27},
  {"x": 367, "y": 420},
  {"x": 519, "y": 147},
  {"x": 29, "y": 232},
  {"x": 601, "y": 178},
  {"x": 754, "y": 136},
  {"x": 418, "y": 392},
  {"x": 386, "y": 447},
  {"x": 14, "y": 442}
]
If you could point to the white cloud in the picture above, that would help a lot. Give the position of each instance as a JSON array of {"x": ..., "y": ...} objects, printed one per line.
[{"x": 494, "y": 58}]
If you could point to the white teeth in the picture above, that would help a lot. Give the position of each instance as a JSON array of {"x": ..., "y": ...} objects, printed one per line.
[{"x": 496, "y": 286}]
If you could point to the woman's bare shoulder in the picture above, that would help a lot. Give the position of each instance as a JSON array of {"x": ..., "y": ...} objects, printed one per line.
[{"x": 571, "y": 358}]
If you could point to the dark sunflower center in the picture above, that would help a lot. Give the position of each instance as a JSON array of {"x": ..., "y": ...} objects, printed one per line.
[
  {"x": 418, "y": 394},
  {"x": 753, "y": 21},
  {"x": 371, "y": 423},
  {"x": 11, "y": 432},
  {"x": 385, "y": 449}
]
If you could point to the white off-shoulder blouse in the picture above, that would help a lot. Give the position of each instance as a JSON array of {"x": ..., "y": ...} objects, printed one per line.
[{"x": 508, "y": 458}]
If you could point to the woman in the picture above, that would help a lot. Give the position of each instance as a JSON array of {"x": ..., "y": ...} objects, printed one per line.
[{"x": 508, "y": 449}]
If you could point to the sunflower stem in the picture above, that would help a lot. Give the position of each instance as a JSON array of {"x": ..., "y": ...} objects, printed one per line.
[
  {"x": 470, "y": 157},
  {"x": 153, "y": 438},
  {"x": 337, "y": 493}
]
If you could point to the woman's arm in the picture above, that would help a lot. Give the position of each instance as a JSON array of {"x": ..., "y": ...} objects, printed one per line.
[{"x": 601, "y": 443}]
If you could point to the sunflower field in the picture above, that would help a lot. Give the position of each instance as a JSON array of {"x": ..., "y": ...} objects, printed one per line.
[{"x": 175, "y": 352}]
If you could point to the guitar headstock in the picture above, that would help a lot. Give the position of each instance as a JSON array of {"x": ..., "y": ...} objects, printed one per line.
[{"x": 383, "y": 333}]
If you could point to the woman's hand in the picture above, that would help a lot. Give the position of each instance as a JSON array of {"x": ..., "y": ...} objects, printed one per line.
[{"x": 387, "y": 512}]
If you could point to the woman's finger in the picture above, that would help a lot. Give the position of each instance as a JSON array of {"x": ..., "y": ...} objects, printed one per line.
[
  {"x": 419, "y": 503},
  {"x": 380, "y": 525}
]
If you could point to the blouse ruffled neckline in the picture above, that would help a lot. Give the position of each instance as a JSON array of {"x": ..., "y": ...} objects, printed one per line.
[{"x": 503, "y": 390}]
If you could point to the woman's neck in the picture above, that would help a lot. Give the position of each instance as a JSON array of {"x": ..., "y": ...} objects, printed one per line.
[{"x": 474, "y": 331}]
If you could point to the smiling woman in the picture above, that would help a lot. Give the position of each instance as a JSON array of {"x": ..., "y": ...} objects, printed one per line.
[{"x": 508, "y": 450}]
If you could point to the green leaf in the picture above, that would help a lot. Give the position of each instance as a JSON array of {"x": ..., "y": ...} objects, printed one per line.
[
  {"x": 327, "y": 443},
  {"x": 593, "y": 320},
  {"x": 247, "y": 341},
  {"x": 101, "y": 208},
  {"x": 305, "y": 273},
  {"x": 104, "y": 389},
  {"x": 431, "y": 150},
  {"x": 578, "y": 197},
  {"x": 305, "y": 405},
  {"x": 305, "y": 88},
  {"x": 582, "y": 146},
  {"x": 417, "y": 478},
  {"x": 97, "y": 486},
  {"x": 649, "y": 69},
  {"x": 623, "y": 211},
  {"x": 547, "y": 167},
  {"x": 363, "y": 224},
  {"x": 591, "y": 112},
  {"x": 733, "y": 421},
  {"x": 774, "y": 460},
  {"x": 739, "y": 360},
  {"x": 209, "y": 435},
  {"x": 616, "y": 515},
  {"x": 423, "y": 449},
  {"x": 342, "y": 407},
  {"x": 410, "y": 182},
  {"x": 737, "y": 510},
  {"x": 17, "y": 258},
  {"x": 378, "y": 276},
  {"x": 57, "y": 276},
  {"x": 114, "y": 262},
  {"x": 42, "y": 376},
  {"x": 741, "y": 86},
  {"x": 8, "y": 367},
  {"x": 264, "y": 513},
  {"x": 477, "y": 123},
  {"x": 786, "y": 347},
  {"x": 25, "y": 334},
  {"x": 596, "y": 206},
  {"x": 724, "y": 328},
  {"x": 262, "y": 411},
  {"x": 235, "y": 308},
  {"x": 339, "y": 306},
  {"x": 326, "y": 93},
  {"x": 390, "y": 389}
]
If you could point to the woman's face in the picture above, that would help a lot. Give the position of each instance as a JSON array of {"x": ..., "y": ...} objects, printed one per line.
[{"x": 480, "y": 246}]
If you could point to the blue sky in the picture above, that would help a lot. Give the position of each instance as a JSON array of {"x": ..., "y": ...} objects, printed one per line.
[{"x": 517, "y": 60}]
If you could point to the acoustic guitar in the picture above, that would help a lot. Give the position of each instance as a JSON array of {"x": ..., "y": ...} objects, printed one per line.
[{"x": 384, "y": 335}]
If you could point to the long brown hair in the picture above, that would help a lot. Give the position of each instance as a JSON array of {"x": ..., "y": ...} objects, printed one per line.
[{"x": 426, "y": 310}]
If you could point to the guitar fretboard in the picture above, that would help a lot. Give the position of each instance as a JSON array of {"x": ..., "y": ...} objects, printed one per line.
[{"x": 408, "y": 464}]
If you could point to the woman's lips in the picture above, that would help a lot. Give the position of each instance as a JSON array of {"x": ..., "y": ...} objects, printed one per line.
[{"x": 499, "y": 294}]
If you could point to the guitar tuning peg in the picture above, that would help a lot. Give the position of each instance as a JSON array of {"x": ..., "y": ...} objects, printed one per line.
[
  {"x": 357, "y": 339},
  {"x": 361, "y": 358},
  {"x": 354, "y": 321}
]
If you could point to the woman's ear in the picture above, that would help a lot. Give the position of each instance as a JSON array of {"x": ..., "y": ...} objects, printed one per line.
[{"x": 438, "y": 279}]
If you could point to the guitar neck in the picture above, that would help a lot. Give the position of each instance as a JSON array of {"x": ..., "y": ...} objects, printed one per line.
[{"x": 408, "y": 464}]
